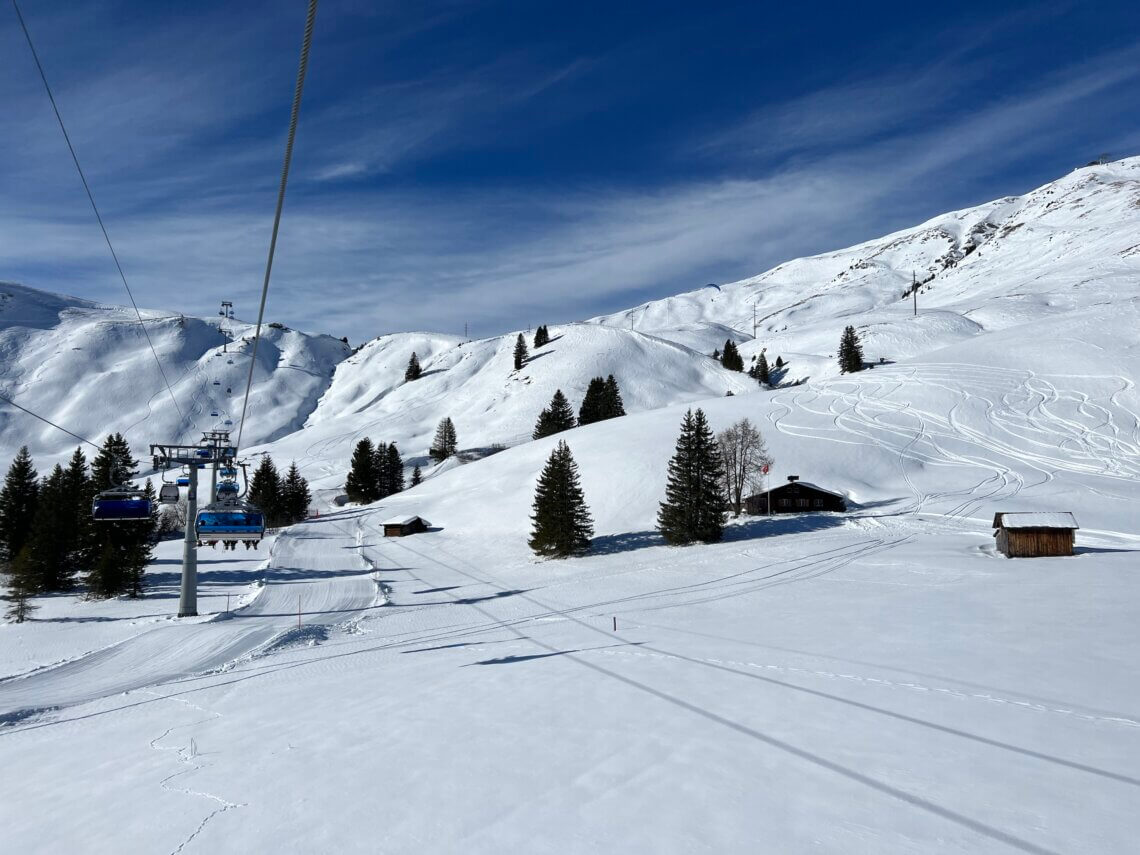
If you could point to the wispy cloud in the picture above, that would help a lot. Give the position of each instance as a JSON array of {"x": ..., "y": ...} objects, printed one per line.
[{"x": 189, "y": 199}]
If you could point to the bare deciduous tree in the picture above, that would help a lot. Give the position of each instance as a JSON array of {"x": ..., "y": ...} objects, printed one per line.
[{"x": 745, "y": 458}]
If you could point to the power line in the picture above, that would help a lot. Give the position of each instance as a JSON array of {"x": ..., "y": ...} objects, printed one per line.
[
  {"x": 306, "y": 43},
  {"x": 94, "y": 207},
  {"x": 50, "y": 422}
]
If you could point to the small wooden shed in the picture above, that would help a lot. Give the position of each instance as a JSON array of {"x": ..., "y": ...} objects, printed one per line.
[
  {"x": 795, "y": 497},
  {"x": 1034, "y": 535},
  {"x": 401, "y": 526}
]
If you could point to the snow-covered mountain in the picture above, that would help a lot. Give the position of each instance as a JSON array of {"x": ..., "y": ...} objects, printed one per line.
[
  {"x": 1067, "y": 246},
  {"x": 876, "y": 681},
  {"x": 89, "y": 368},
  {"x": 1065, "y": 250}
]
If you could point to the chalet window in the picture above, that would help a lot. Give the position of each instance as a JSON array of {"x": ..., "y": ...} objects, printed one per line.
[
  {"x": 783, "y": 503},
  {"x": 819, "y": 503},
  {"x": 803, "y": 503}
]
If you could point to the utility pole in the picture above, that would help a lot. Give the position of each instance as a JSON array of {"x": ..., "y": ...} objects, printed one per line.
[
  {"x": 213, "y": 483},
  {"x": 754, "y": 320},
  {"x": 914, "y": 291}
]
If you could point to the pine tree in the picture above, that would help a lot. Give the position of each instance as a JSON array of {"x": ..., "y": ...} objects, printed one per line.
[
  {"x": 17, "y": 505},
  {"x": 79, "y": 492},
  {"x": 779, "y": 362},
  {"x": 593, "y": 407},
  {"x": 295, "y": 496},
  {"x": 394, "y": 469},
  {"x": 763, "y": 373},
  {"x": 520, "y": 352},
  {"x": 445, "y": 443},
  {"x": 413, "y": 371},
  {"x": 614, "y": 406},
  {"x": 562, "y": 523},
  {"x": 559, "y": 416},
  {"x": 50, "y": 545},
  {"x": 417, "y": 476},
  {"x": 850, "y": 352},
  {"x": 21, "y": 587},
  {"x": 361, "y": 483},
  {"x": 716, "y": 354},
  {"x": 382, "y": 488},
  {"x": 541, "y": 337},
  {"x": 694, "y": 508},
  {"x": 265, "y": 491},
  {"x": 731, "y": 358}
]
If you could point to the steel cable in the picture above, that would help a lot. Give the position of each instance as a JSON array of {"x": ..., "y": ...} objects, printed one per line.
[{"x": 306, "y": 44}]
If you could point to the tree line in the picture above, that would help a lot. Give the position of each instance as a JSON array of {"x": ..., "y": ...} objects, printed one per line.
[
  {"x": 283, "y": 500},
  {"x": 707, "y": 477},
  {"x": 48, "y": 540},
  {"x": 602, "y": 401},
  {"x": 375, "y": 472}
]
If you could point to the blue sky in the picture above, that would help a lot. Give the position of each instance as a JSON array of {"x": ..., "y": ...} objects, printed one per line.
[{"x": 509, "y": 164}]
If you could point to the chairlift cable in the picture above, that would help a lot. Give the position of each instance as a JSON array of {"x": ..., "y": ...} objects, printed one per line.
[
  {"x": 94, "y": 207},
  {"x": 303, "y": 66},
  {"x": 48, "y": 421}
]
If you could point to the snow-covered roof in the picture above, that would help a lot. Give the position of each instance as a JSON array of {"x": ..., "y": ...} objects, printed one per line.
[
  {"x": 1054, "y": 519},
  {"x": 404, "y": 520},
  {"x": 807, "y": 484}
]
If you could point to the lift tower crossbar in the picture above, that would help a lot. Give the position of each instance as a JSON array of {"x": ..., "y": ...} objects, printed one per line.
[{"x": 214, "y": 449}]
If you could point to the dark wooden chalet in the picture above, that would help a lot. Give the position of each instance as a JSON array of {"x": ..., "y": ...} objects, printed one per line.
[
  {"x": 402, "y": 526},
  {"x": 795, "y": 497},
  {"x": 1033, "y": 535}
]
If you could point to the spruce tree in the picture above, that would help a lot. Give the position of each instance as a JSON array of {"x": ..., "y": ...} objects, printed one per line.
[
  {"x": 541, "y": 337},
  {"x": 79, "y": 492},
  {"x": 394, "y": 469},
  {"x": 382, "y": 487},
  {"x": 417, "y": 476},
  {"x": 779, "y": 362},
  {"x": 361, "y": 483},
  {"x": 265, "y": 490},
  {"x": 731, "y": 358},
  {"x": 562, "y": 523},
  {"x": 21, "y": 587},
  {"x": 695, "y": 508},
  {"x": 614, "y": 406},
  {"x": 850, "y": 352},
  {"x": 520, "y": 352},
  {"x": 763, "y": 373},
  {"x": 559, "y": 416},
  {"x": 295, "y": 496},
  {"x": 445, "y": 443},
  {"x": 50, "y": 547},
  {"x": 593, "y": 407},
  {"x": 17, "y": 505},
  {"x": 413, "y": 371}
]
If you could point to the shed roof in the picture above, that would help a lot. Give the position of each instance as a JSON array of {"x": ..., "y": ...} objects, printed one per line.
[
  {"x": 404, "y": 520},
  {"x": 1053, "y": 519}
]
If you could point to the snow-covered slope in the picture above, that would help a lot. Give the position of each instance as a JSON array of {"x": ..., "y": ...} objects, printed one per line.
[
  {"x": 89, "y": 368},
  {"x": 1071, "y": 244},
  {"x": 878, "y": 681},
  {"x": 491, "y": 403}
]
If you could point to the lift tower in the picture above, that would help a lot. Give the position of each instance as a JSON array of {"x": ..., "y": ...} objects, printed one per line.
[{"x": 213, "y": 449}]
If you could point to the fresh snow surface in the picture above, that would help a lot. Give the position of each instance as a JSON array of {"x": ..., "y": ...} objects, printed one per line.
[
  {"x": 878, "y": 681},
  {"x": 1041, "y": 520}
]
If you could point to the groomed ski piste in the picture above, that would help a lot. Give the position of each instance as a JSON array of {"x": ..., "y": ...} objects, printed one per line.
[{"x": 878, "y": 681}]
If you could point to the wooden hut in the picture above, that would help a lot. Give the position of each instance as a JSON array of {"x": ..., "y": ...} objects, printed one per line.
[
  {"x": 795, "y": 497},
  {"x": 402, "y": 526},
  {"x": 1033, "y": 535}
]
